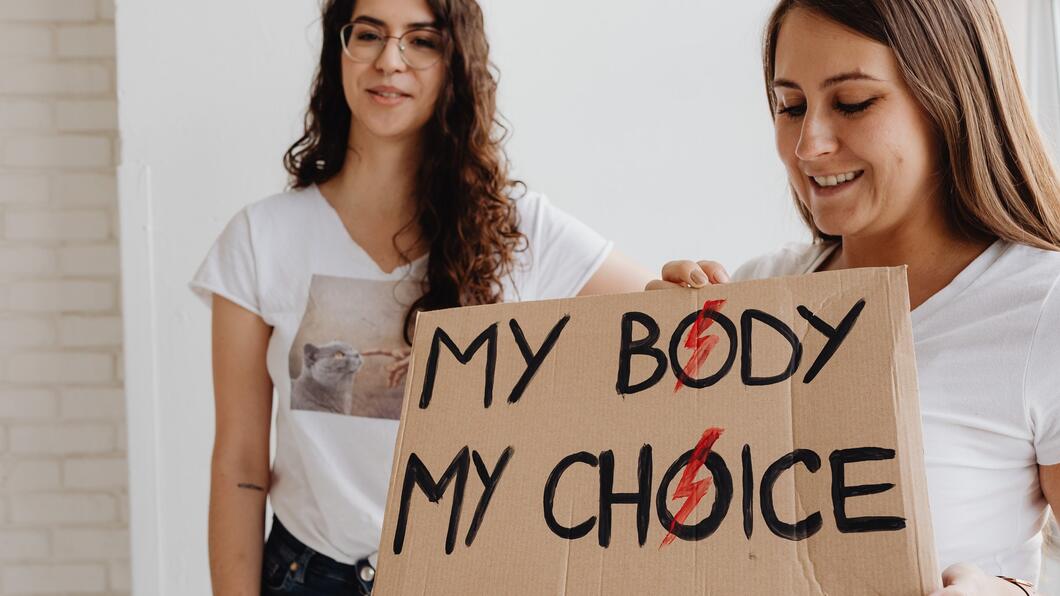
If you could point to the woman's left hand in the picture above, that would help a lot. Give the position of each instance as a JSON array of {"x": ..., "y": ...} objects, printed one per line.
[{"x": 963, "y": 579}]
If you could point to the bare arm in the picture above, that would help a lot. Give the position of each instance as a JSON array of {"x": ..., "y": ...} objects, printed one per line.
[
  {"x": 1049, "y": 476},
  {"x": 617, "y": 275},
  {"x": 239, "y": 473}
]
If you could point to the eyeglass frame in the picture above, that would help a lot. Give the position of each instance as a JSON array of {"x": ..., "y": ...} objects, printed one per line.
[{"x": 386, "y": 40}]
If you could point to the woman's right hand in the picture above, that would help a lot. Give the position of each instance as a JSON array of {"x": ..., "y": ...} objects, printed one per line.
[{"x": 689, "y": 274}]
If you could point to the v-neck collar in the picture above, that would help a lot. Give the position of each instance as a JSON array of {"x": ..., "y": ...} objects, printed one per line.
[
  {"x": 335, "y": 220},
  {"x": 961, "y": 282},
  {"x": 958, "y": 284}
]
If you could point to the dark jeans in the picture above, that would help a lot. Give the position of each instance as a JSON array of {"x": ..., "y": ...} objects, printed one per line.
[{"x": 290, "y": 568}]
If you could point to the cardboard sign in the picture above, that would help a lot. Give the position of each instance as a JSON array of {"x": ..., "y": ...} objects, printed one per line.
[{"x": 751, "y": 438}]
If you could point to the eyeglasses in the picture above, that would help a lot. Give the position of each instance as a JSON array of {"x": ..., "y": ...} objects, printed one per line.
[{"x": 419, "y": 48}]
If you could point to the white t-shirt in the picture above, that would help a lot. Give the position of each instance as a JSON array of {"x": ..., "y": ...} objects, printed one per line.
[
  {"x": 988, "y": 363},
  {"x": 290, "y": 260}
]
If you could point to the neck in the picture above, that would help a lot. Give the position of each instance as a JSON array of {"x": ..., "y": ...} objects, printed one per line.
[
  {"x": 934, "y": 254},
  {"x": 378, "y": 177}
]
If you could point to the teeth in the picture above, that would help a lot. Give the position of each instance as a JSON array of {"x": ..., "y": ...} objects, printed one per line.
[
  {"x": 834, "y": 180},
  {"x": 388, "y": 95}
]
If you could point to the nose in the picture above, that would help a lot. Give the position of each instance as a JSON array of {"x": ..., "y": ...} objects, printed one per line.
[
  {"x": 389, "y": 59},
  {"x": 817, "y": 138}
]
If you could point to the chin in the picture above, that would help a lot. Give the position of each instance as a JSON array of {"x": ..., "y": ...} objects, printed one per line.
[
  {"x": 833, "y": 225},
  {"x": 836, "y": 222},
  {"x": 390, "y": 129}
]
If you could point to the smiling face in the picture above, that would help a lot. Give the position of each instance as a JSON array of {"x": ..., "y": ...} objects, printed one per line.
[
  {"x": 387, "y": 98},
  {"x": 859, "y": 149}
]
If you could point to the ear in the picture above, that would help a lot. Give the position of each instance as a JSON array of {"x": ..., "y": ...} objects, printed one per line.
[{"x": 309, "y": 354}]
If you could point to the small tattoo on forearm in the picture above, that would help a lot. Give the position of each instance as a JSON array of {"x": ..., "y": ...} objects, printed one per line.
[{"x": 251, "y": 486}]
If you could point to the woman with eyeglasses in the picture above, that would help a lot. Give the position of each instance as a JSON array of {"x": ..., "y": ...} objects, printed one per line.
[
  {"x": 908, "y": 141},
  {"x": 400, "y": 201}
]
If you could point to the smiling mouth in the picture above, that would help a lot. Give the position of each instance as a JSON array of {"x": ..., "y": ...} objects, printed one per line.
[
  {"x": 388, "y": 94},
  {"x": 835, "y": 180}
]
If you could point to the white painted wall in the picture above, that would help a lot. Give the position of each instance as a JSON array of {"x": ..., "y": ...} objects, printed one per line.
[
  {"x": 210, "y": 95},
  {"x": 655, "y": 131}
]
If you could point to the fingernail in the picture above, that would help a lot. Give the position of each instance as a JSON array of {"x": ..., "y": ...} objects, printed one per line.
[
  {"x": 723, "y": 277},
  {"x": 699, "y": 279}
]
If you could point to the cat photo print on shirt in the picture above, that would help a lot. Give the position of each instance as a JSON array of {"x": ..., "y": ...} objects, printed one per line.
[{"x": 349, "y": 335}]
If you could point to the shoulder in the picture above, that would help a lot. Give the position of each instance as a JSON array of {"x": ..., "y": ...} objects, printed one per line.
[
  {"x": 795, "y": 258},
  {"x": 1031, "y": 269},
  {"x": 280, "y": 207},
  {"x": 1022, "y": 281},
  {"x": 541, "y": 220},
  {"x": 531, "y": 207},
  {"x": 1031, "y": 278},
  {"x": 1027, "y": 279}
]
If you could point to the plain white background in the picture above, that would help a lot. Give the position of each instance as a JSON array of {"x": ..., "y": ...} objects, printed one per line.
[{"x": 646, "y": 120}]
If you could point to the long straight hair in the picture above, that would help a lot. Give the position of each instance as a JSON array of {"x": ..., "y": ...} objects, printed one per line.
[{"x": 997, "y": 177}]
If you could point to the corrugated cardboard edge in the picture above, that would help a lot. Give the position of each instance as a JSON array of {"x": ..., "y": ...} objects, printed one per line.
[
  {"x": 395, "y": 466},
  {"x": 910, "y": 430}
]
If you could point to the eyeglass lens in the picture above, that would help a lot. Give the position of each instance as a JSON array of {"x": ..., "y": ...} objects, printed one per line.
[{"x": 420, "y": 48}]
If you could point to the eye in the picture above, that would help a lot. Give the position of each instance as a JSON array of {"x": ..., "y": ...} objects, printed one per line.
[
  {"x": 792, "y": 111},
  {"x": 425, "y": 40},
  {"x": 367, "y": 36},
  {"x": 849, "y": 109}
]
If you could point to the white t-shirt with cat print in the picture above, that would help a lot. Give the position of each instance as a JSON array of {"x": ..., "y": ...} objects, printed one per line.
[
  {"x": 988, "y": 366},
  {"x": 336, "y": 320}
]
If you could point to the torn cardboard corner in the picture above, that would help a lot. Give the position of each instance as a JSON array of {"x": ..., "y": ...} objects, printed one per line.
[{"x": 752, "y": 438}]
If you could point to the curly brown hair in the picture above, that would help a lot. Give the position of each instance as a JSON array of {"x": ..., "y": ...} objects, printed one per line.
[{"x": 463, "y": 203}]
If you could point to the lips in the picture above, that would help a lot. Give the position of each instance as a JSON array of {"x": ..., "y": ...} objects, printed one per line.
[
  {"x": 835, "y": 179},
  {"x": 387, "y": 92}
]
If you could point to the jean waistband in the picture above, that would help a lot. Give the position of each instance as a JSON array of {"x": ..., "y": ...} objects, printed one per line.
[{"x": 280, "y": 533}]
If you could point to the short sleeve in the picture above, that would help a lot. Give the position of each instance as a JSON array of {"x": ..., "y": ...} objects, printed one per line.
[
  {"x": 1042, "y": 381},
  {"x": 563, "y": 252},
  {"x": 794, "y": 258},
  {"x": 230, "y": 268}
]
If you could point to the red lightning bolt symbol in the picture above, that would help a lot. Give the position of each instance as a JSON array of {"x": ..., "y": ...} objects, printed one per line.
[
  {"x": 700, "y": 344},
  {"x": 690, "y": 489}
]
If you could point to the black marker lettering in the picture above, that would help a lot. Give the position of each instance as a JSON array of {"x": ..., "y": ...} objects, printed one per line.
[
  {"x": 640, "y": 347},
  {"x": 675, "y": 345},
  {"x": 835, "y": 336},
  {"x": 800, "y": 530},
  {"x": 746, "y": 330},
  {"x": 582, "y": 457},
  {"x": 641, "y": 498},
  {"x": 841, "y": 492},
  {"x": 489, "y": 483},
  {"x": 748, "y": 492},
  {"x": 489, "y": 337},
  {"x": 417, "y": 474},
  {"x": 722, "y": 482},
  {"x": 533, "y": 361}
]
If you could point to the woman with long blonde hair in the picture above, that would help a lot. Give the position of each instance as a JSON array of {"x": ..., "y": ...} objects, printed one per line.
[{"x": 908, "y": 141}]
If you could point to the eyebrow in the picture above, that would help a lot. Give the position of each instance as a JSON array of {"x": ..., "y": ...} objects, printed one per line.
[
  {"x": 839, "y": 78},
  {"x": 382, "y": 23}
]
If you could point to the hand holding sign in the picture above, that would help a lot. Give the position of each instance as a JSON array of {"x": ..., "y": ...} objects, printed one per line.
[{"x": 689, "y": 274}]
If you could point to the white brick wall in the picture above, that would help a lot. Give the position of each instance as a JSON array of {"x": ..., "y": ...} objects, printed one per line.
[{"x": 63, "y": 467}]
